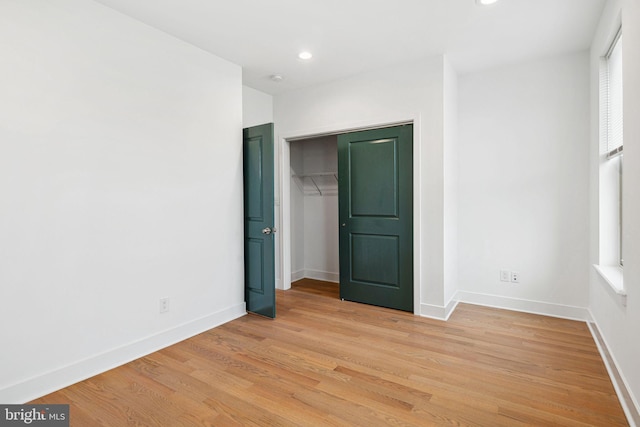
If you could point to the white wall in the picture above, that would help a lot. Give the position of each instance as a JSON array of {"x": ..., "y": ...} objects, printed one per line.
[
  {"x": 119, "y": 145},
  {"x": 314, "y": 216},
  {"x": 321, "y": 245},
  {"x": 523, "y": 189},
  {"x": 321, "y": 234},
  {"x": 451, "y": 176},
  {"x": 619, "y": 324},
  {"x": 402, "y": 93},
  {"x": 257, "y": 107}
]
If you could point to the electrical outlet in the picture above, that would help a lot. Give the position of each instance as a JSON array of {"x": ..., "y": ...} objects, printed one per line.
[
  {"x": 505, "y": 276},
  {"x": 515, "y": 277},
  {"x": 164, "y": 305}
]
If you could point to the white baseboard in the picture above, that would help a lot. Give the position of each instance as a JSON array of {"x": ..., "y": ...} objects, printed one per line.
[
  {"x": 625, "y": 396},
  {"x": 322, "y": 275},
  {"x": 527, "y": 306},
  {"x": 438, "y": 312},
  {"x": 42, "y": 385},
  {"x": 297, "y": 275}
]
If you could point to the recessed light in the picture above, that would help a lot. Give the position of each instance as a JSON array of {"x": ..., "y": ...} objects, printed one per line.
[
  {"x": 305, "y": 55},
  {"x": 485, "y": 2},
  {"x": 276, "y": 78}
]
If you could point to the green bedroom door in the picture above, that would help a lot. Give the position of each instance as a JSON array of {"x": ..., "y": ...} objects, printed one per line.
[
  {"x": 375, "y": 168},
  {"x": 259, "y": 248}
]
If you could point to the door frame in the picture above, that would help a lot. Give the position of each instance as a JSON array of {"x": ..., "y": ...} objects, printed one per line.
[{"x": 283, "y": 203}]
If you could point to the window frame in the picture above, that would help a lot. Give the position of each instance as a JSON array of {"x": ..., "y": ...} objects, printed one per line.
[{"x": 615, "y": 153}]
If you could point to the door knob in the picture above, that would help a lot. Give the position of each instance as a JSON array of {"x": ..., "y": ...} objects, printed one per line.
[{"x": 268, "y": 230}]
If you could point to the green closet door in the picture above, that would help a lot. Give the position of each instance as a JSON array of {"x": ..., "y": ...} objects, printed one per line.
[{"x": 375, "y": 169}]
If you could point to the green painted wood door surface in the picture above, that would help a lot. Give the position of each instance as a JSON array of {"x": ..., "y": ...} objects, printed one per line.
[
  {"x": 375, "y": 169},
  {"x": 259, "y": 249}
]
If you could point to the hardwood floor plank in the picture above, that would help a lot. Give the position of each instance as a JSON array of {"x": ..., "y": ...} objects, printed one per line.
[{"x": 324, "y": 361}]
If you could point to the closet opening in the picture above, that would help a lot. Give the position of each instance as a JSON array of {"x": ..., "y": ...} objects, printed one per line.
[
  {"x": 350, "y": 214},
  {"x": 314, "y": 209}
]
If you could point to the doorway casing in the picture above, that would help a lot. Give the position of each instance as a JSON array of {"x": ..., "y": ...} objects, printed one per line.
[{"x": 284, "y": 139}]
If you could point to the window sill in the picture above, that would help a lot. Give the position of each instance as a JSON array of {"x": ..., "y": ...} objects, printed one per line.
[{"x": 614, "y": 278}]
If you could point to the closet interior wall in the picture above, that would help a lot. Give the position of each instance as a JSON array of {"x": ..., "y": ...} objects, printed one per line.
[{"x": 314, "y": 209}]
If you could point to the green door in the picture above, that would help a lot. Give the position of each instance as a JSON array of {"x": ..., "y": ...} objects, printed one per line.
[
  {"x": 375, "y": 169},
  {"x": 259, "y": 265}
]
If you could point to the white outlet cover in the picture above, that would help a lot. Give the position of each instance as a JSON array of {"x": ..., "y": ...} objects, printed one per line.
[
  {"x": 505, "y": 276},
  {"x": 164, "y": 305},
  {"x": 515, "y": 277}
]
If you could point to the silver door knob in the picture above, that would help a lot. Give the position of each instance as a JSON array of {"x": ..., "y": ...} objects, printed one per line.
[{"x": 268, "y": 230}]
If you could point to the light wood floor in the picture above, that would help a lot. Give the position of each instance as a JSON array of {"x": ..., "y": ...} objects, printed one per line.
[{"x": 328, "y": 362}]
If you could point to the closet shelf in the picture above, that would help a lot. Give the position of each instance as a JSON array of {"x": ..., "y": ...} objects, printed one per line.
[{"x": 318, "y": 184}]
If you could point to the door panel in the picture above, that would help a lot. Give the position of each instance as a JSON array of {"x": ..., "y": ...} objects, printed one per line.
[
  {"x": 375, "y": 170},
  {"x": 374, "y": 259},
  {"x": 259, "y": 248},
  {"x": 374, "y": 190},
  {"x": 255, "y": 268},
  {"x": 254, "y": 146}
]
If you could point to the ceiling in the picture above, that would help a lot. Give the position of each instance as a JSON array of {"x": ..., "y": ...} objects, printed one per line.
[{"x": 348, "y": 37}]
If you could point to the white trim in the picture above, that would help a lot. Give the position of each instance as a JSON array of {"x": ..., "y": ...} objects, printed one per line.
[
  {"x": 613, "y": 276},
  {"x": 450, "y": 308},
  {"x": 283, "y": 140},
  {"x": 49, "y": 382},
  {"x": 322, "y": 275},
  {"x": 527, "y": 306},
  {"x": 627, "y": 400},
  {"x": 331, "y": 129},
  {"x": 284, "y": 210},
  {"x": 298, "y": 275},
  {"x": 438, "y": 312},
  {"x": 615, "y": 279}
]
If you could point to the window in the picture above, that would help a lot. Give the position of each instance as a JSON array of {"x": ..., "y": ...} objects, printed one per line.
[
  {"x": 614, "y": 126},
  {"x": 613, "y": 123},
  {"x": 611, "y": 154}
]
